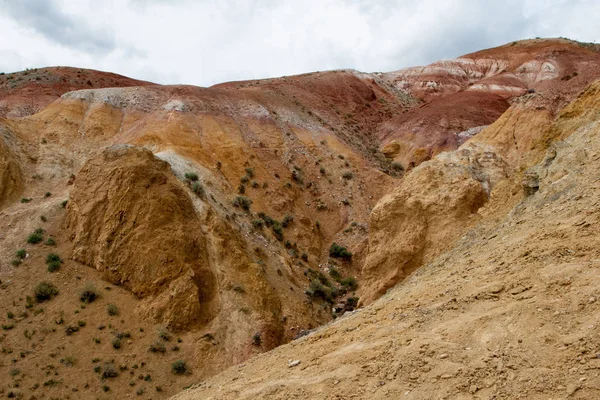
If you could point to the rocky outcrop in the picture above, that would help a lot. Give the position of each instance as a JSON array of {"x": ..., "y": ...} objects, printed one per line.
[
  {"x": 132, "y": 219},
  {"x": 432, "y": 207},
  {"x": 11, "y": 176}
]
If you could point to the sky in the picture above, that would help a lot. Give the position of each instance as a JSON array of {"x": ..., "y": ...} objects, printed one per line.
[{"x": 204, "y": 42}]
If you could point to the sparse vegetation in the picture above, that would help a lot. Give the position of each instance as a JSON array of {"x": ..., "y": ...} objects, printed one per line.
[
  {"x": 53, "y": 262},
  {"x": 349, "y": 282},
  {"x": 69, "y": 361},
  {"x": 191, "y": 176},
  {"x": 242, "y": 202},
  {"x": 318, "y": 290},
  {"x": 35, "y": 237},
  {"x": 277, "y": 230},
  {"x": 112, "y": 310},
  {"x": 198, "y": 188},
  {"x": 109, "y": 371},
  {"x": 256, "y": 339},
  {"x": 396, "y": 166},
  {"x": 338, "y": 251},
  {"x": 158, "y": 347},
  {"x": 287, "y": 220},
  {"x": 164, "y": 334},
  {"x": 45, "y": 291},
  {"x": 335, "y": 274},
  {"x": 348, "y": 175},
  {"x": 179, "y": 367},
  {"x": 88, "y": 294},
  {"x": 71, "y": 329}
]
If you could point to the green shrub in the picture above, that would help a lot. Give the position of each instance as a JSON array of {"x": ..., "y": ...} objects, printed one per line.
[
  {"x": 351, "y": 303},
  {"x": 109, "y": 371},
  {"x": 111, "y": 309},
  {"x": 317, "y": 290},
  {"x": 52, "y": 257},
  {"x": 179, "y": 367},
  {"x": 21, "y": 253},
  {"x": 335, "y": 274},
  {"x": 396, "y": 166},
  {"x": 256, "y": 339},
  {"x": 116, "y": 343},
  {"x": 198, "y": 189},
  {"x": 191, "y": 176},
  {"x": 348, "y": 175},
  {"x": 250, "y": 172},
  {"x": 50, "y": 242},
  {"x": 69, "y": 361},
  {"x": 244, "y": 180},
  {"x": 257, "y": 223},
  {"x": 26, "y": 200},
  {"x": 338, "y": 251},
  {"x": 64, "y": 203},
  {"x": 349, "y": 282},
  {"x": 16, "y": 262},
  {"x": 242, "y": 202},
  {"x": 71, "y": 329},
  {"x": 53, "y": 261},
  {"x": 35, "y": 238},
  {"x": 268, "y": 220},
  {"x": 277, "y": 230},
  {"x": 45, "y": 291},
  {"x": 88, "y": 294},
  {"x": 164, "y": 334},
  {"x": 48, "y": 194},
  {"x": 53, "y": 266},
  {"x": 287, "y": 220},
  {"x": 158, "y": 347}
]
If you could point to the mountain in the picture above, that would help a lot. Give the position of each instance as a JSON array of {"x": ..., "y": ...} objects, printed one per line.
[{"x": 171, "y": 232}]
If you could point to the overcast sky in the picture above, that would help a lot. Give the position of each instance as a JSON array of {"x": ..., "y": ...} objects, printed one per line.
[{"x": 204, "y": 42}]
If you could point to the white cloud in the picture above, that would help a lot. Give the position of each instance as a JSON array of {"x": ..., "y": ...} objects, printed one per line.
[{"x": 210, "y": 41}]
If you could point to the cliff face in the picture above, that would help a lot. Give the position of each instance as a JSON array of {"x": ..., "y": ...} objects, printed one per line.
[
  {"x": 431, "y": 208},
  {"x": 11, "y": 175},
  {"x": 130, "y": 218}
]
